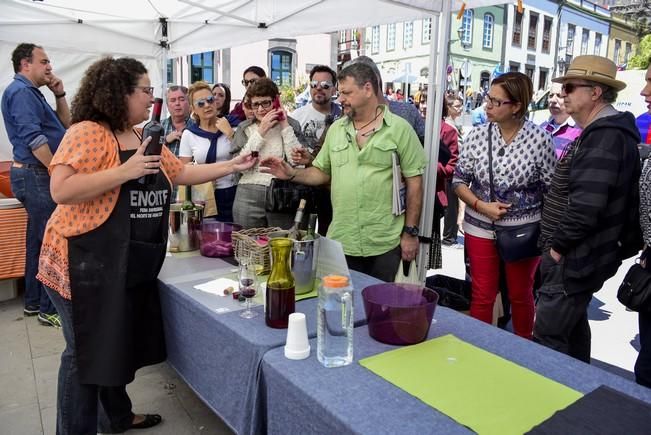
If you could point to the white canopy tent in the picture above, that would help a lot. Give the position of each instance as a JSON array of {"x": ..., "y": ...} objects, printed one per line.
[{"x": 77, "y": 32}]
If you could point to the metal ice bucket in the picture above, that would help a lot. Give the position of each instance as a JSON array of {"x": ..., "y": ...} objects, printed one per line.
[{"x": 184, "y": 228}]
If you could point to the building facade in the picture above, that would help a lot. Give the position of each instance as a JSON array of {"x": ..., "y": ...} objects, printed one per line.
[
  {"x": 584, "y": 29},
  {"x": 476, "y": 46},
  {"x": 287, "y": 61},
  {"x": 623, "y": 40},
  {"x": 530, "y": 46}
]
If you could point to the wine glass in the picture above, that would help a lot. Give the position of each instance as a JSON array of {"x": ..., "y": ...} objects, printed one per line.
[{"x": 248, "y": 285}]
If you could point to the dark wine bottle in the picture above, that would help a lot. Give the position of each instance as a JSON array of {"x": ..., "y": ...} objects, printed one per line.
[
  {"x": 311, "y": 225},
  {"x": 155, "y": 130},
  {"x": 293, "y": 231}
]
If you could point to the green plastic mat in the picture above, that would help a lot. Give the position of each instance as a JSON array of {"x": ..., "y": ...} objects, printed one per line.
[{"x": 476, "y": 388}]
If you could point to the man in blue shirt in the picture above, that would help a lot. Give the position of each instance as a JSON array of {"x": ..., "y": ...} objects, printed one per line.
[{"x": 35, "y": 131}]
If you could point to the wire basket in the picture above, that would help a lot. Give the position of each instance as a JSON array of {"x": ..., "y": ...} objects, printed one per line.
[{"x": 245, "y": 245}]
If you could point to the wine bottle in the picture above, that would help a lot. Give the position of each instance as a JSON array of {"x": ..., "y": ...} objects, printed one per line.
[
  {"x": 293, "y": 231},
  {"x": 187, "y": 202},
  {"x": 311, "y": 225},
  {"x": 281, "y": 290},
  {"x": 155, "y": 130}
]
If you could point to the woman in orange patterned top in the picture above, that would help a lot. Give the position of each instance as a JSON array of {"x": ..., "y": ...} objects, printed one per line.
[{"x": 105, "y": 244}]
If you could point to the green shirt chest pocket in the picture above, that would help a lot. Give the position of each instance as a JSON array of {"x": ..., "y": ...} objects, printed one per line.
[
  {"x": 339, "y": 155},
  {"x": 379, "y": 154}
]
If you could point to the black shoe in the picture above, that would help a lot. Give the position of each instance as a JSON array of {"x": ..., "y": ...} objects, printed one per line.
[
  {"x": 150, "y": 420},
  {"x": 31, "y": 310}
]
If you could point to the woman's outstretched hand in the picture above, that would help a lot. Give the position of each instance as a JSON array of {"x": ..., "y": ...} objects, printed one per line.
[{"x": 243, "y": 162}]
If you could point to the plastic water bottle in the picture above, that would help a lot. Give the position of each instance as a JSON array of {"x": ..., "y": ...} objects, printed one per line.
[{"x": 335, "y": 322}]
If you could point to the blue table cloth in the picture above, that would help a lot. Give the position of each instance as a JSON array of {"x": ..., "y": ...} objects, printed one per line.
[
  {"x": 219, "y": 353},
  {"x": 305, "y": 397}
]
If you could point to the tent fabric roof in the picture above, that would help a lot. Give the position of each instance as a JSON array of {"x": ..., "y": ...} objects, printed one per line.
[{"x": 134, "y": 27}]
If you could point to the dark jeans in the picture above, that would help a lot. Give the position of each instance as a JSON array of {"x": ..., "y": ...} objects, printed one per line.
[
  {"x": 383, "y": 266},
  {"x": 31, "y": 186},
  {"x": 450, "y": 227},
  {"x": 225, "y": 198},
  {"x": 643, "y": 363},
  {"x": 84, "y": 408},
  {"x": 561, "y": 319}
]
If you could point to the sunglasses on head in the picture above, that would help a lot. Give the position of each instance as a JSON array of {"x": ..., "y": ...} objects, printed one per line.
[
  {"x": 324, "y": 84},
  {"x": 246, "y": 83},
  {"x": 202, "y": 102},
  {"x": 568, "y": 88}
]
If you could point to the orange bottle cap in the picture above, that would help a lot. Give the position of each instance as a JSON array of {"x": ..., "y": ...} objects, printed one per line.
[{"x": 335, "y": 281}]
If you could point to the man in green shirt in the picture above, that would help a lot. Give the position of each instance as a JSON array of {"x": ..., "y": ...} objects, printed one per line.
[{"x": 356, "y": 159}]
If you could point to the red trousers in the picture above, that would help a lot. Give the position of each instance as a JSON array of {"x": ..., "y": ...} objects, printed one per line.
[{"x": 485, "y": 270}]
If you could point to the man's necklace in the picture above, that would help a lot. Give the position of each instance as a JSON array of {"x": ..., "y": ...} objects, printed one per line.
[{"x": 377, "y": 115}]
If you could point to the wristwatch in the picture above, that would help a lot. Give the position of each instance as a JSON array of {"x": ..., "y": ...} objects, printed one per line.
[{"x": 412, "y": 231}]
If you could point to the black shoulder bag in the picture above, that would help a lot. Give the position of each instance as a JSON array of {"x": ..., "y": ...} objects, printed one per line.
[{"x": 518, "y": 242}]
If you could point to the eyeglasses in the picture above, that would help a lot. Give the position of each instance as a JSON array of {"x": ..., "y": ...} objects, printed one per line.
[
  {"x": 568, "y": 88},
  {"x": 264, "y": 104},
  {"x": 324, "y": 84},
  {"x": 246, "y": 83},
  {"x": 495, "y": 101},
  {"x": 149, "y": 90},
  {"x": 203, "y": 101}
]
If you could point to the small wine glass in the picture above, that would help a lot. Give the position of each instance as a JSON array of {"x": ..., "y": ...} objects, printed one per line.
[{"x": 248, "y": 286}]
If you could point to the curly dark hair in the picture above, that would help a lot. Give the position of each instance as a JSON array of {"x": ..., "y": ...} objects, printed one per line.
[
  {"x": 22, "y": 51},
  {"x": 102, "y": 95},
  {"x": 263, "y": 87}
]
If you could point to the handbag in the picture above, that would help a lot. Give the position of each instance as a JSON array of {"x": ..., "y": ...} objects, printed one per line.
[
  {"x": 635, "y": 291},
  {"x": 284, "y": 196},
  {"x": 407, "y": 273},
  {"x": 514, "y": 243}
]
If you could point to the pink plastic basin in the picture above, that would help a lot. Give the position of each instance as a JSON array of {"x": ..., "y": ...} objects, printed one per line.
[{"x": 399, "y": 313}]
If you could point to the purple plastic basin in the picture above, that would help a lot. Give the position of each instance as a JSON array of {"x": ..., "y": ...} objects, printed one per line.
[
  {"x": 399, "y": 313},
  {"x": 215, "y": 240}
]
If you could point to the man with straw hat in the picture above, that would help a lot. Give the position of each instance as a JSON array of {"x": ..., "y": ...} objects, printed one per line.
[{"x": 589, "y": 221}]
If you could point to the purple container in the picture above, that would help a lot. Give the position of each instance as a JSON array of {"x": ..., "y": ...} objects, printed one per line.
[
  {"x": 215, "y": 239},
  {"x": 399, "y": 313}
]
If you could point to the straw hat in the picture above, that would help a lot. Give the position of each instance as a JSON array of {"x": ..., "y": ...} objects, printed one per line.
[{"x": 595, "y": 69}]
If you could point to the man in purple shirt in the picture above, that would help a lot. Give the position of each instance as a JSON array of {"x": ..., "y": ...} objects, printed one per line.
[
  {"x": 560, "y": 125},
  {"x": 34, "y": 130}
]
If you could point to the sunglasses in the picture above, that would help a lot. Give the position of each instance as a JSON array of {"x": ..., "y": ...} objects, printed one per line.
[
  {"x": 149, "y": 90},
  {"x": 264, "y": 104},
  {"x": 246, "y": 83},
  {"x": 202, "y": 102},
  {"x": 325, "y": 85},
  {"x": 568, "y": 88},
  {"x": 495, "y": 101}
]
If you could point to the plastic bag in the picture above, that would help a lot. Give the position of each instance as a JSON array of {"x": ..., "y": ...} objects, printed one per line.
[{"x": 407, "y": 273}]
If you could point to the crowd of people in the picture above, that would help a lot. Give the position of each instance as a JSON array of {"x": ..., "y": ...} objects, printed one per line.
[{"x": 93, "y": 254}]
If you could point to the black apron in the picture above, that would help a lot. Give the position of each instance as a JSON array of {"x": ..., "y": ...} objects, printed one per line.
[{"x": 116, "y": 310}]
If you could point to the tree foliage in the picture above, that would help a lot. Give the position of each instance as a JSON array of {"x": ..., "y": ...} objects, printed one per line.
[{"x": 643, "y": 55}]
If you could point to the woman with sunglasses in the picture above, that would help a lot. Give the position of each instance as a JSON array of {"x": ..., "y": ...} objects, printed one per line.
[
  {"x": 522, "y": 167},
  {"x": 208, "y": 140},
  {"x": 249, "y": 76},
  {"x": 270, "y": 134}
]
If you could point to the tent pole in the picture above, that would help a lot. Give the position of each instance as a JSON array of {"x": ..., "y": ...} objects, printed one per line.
[{"x": 435, "y": 100}]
